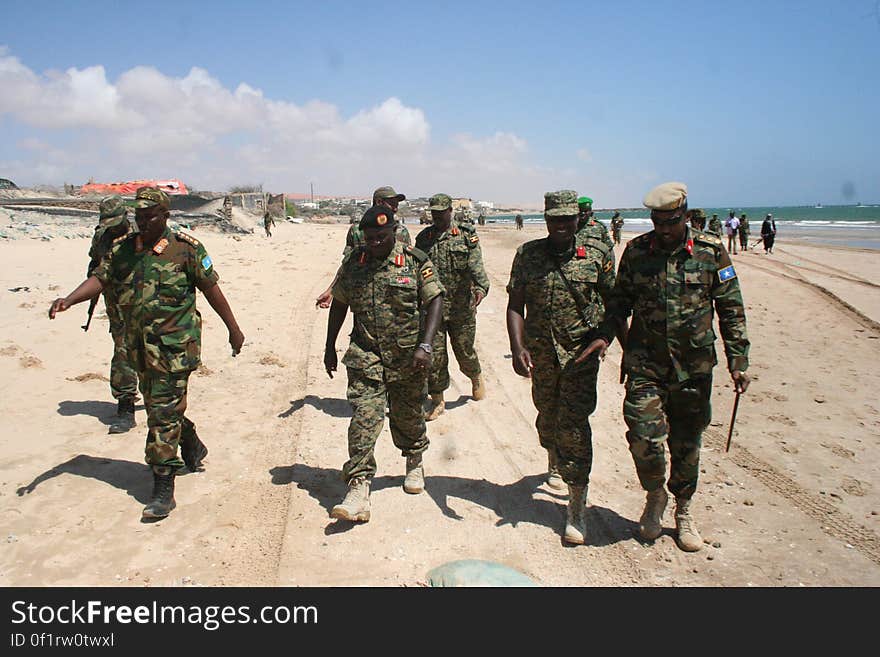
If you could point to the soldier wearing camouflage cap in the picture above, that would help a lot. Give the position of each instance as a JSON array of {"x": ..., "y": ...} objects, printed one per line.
[
  {"x": 155, "y": 273},
  {"x": 458, "y": 259},
  {"x": 697, "y": 218},
  {"x": 714, "y": 225},
  {"x": 385, "y": 197},
  {"x": 673, "y": 280},
  {"x": 114, "y": 223},
  {"x": 396, "y": 299},
  {"x": 554, "y": 319}
]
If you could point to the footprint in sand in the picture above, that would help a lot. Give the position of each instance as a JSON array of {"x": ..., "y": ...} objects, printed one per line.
[
  {"x": 855, "y": 487},
  {"x": 30, "y": 361},
  {"x": 272, "y": 359},
  {"x": 780, "y": 398},
  {"x": 782, "y": 419},
  {"x": 788, "y": 449},
  {"x": 11, "y": 350},
  {"x": 88, "y": 376},
  {"x": 837, "y": 450}
]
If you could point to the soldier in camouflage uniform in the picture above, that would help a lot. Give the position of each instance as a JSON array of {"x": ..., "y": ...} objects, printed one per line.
[
  {"x": 458, "y": 260},
  {"x": 384, "y": 197},
  {"x": 673, "y": 279},
  {"x": 616, "y": 227},
  {"x": 697, "y": 219},
  {"x": 714, "y": 225},
  {"x": 390, "y": 288},
  {"x": 743, "y": 231},
  {"x": 155, "y": 273},
  {"x": 114, "y": 223},
  {"x": 556, "y": 330},
  {"x": 587, "y": 225}
]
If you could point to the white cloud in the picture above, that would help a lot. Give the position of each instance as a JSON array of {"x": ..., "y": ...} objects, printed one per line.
[
  {"x": 584, "y": 155},
  {"x": 148, "y": 124}
]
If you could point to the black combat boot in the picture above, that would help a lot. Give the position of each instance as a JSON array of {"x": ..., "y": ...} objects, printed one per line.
[
  {"x": 124, "y": 419},
  {"x": 192, "y": 450},
  {"x": 162, "y": 501}
]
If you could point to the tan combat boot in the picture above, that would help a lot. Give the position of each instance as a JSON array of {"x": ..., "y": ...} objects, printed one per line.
[
  {"x": 554, "y": 479},
  {"x": 414, "y": 482},
  {"x": 438, "y": 405},
  {"x": 576, "y": 521},
  {"x": 688, "y": 537},
  {"x": 651, "y": 522},
  {"x": 478, "y": 388},
  {"x": 356, "y": 505}
]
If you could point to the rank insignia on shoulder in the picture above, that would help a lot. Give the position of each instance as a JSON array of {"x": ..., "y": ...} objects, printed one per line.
[
  {"x": 474, "y": 239},
  {"x": 689, "y": 246},
  {"x": 187, "y": 238},
  {"x": 398, "y": 260},
  {"x": 581, "y": 252},
  {"x": 427, "y": 273},
  {"x": 160, "y": 246},
  {"x": 726, "y": 274},
  {"x": 206, "y": 262},
  {"x": 455, "y": 230}
]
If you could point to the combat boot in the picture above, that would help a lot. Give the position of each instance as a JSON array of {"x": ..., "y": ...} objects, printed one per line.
[
  {"x": 414, "y": 482},
  {"x": 651, "y": 522},
  {"x": 162, "y": 501},
  {"x": 192, "y": 449},
  {"x": 124, "y": 419},
  {"x": 687, "y": 536},
  {"x": 576, "y": 519},
  {"x": 356, "y": 505},
  {"x": 478, "y": 388},
  {"x": 554, "y": 479},
  {"x": 438, "y": 405}
]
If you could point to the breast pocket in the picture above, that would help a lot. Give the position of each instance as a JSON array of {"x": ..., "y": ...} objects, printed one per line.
[
  {"x": 585, "y": 315},
  {"x": 458, "y": 256},
  {"x": 173, "y": 288}
]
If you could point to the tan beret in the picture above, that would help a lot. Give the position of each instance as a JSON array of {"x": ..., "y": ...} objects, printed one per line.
[{"x": 668, "y": 196}]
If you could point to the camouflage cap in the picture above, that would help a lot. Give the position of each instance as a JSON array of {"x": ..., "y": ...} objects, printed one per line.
[
  {"x": 112, "y": 210},
  {"x": 668, "y": 196},
  {"x": 440, "y": 202},
  {"x": 585, "y": 202},
  {"x": 376, "y": 217},
  {"x": 561, "y": 204},
  {"x": 147, "y": 197},
  {"x": 387, "y": 192},
  {"x": 698, "y": 212}
]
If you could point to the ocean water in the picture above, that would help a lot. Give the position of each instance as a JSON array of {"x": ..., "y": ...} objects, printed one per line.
[{"x": 838, "y": 225}]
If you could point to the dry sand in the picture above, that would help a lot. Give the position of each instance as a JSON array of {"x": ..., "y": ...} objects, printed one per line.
[{"x": 794, "y": 502}]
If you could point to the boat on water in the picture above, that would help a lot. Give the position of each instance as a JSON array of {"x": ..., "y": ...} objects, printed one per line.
[{"x": 818, "y": 205}]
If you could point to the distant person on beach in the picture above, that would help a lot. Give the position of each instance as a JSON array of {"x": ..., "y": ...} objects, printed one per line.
[
  {"x": 714, "y": 225},
  {"x": 697, "y": 219},
  {"x": 768, "y": 233},
  {"x": 616, "y": 227},
  {"x": 673, "y": 280},
  {"x": 555, "y": 323},
  {"x": 385, "y": 197},
  {"x": 268, "y": 222},
  {"x": 744, "y": 232},
  {"x": 518, "y": 220},
  {"x": 731, "y": 225}
]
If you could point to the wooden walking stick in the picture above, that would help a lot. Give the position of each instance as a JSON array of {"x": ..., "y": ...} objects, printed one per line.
[{"x": 732, "y": 420}]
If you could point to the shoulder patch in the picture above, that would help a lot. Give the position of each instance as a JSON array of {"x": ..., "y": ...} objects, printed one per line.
[
  {"x": 183, "y": 237},
  {"x": 726, "y": 274}
]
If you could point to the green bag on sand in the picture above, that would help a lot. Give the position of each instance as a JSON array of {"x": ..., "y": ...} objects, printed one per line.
[{"x": 474, "y": 572}]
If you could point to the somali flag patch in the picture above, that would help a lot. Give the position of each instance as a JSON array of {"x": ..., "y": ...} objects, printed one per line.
[
  {"x": 206, "y": 263},
  {"x": 726, "y": 274}
]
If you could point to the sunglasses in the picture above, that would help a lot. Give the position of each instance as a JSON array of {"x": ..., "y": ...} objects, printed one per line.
[{"x": 671, "y": 221}]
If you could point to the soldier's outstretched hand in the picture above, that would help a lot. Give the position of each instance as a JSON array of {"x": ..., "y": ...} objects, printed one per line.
[
  {"x": 330, "y": 361},
  {"x": 598, "y": 344},
  {"x": 478, "y": 297},
  {"x": 741, "y": 380},
  {"x": 522, "y": 363},
  {"x": 58, "y": 306},
  {"x": 236, "y": 340},
  {"x": 324, "y": 300}
]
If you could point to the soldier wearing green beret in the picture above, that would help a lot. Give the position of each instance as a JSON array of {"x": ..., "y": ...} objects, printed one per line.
[
  {"x": 587, "y": 226},
  {"x": 155, "y": 273},
  {"x": 555, "y": 323},
  {"x": 455, "y": 251},
  {"x": 396, "y": 299},
  {"x": 114, "y": 223},
  {"x": 673, "y": 280}
]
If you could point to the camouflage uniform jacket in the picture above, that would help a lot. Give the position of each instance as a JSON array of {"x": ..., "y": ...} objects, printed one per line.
[
  {"x": 386, "y": 297},
  {"x": 671, "y": 297},
  {"x": 355, "y": 237},
  {"x": 101, "y": 244},
  {"x": 554, "y": 320},
  {"x": 590, "y": 228},
  {"x": 744, "y": 226},
  {"x": 617, "y": 224},
  {"x": 714, "y": 226},
  {"x": 458, "y": 261},
  {"x": 156, "y": 293}
]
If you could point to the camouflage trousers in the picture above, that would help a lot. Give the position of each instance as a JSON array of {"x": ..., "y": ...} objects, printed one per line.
[
  {"x": 675, "y": 413},
  {"x": 123, "y": 377},
  {"x": 406, "y": 417},
  {"x": 165, "y": 401},
  {"x": 462, "y": 330},
  {"x": 615, "y": 235},
  {"x": 565, "y": 397}
]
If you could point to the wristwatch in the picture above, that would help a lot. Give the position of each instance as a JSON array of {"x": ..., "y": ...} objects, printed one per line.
[{"x": 424, "y": 346}]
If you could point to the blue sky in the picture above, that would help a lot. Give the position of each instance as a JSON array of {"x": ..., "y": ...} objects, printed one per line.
[{"x": 749, "y": 103}]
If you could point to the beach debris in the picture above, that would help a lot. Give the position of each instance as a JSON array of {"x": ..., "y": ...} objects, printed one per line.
[
  {"x": 20, "y": 288},
  {"x": 819, "y": 399}
]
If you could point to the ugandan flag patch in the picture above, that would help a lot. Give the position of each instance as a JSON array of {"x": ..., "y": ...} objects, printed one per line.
[
  {"x": 474, "y": 239},
  {"x": 427, "y": 272},
  {"x": 609, "y": 266}
]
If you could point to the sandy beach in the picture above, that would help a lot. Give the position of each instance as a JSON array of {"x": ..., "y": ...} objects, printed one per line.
[{"x": 794, "y": 503}]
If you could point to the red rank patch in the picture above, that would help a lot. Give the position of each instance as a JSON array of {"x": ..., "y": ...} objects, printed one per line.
[
  {"x": 581, "y": 252},
  {"x": 161, "y": 245},
  {"x": 398, "y": 260},
  {"x": 689, "y": 245},
  {"x": 455, "y": 231}
]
